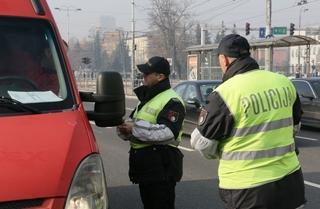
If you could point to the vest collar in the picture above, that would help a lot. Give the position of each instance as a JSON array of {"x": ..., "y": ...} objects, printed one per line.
[
  {"x": 145, "y": 93},
  {"x": 240, "y": 65}
]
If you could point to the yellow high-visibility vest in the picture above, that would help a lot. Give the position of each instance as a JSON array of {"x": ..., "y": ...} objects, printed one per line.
[
  {"x": 261, "y": 147},
  {"x": 150, "y": 111}
]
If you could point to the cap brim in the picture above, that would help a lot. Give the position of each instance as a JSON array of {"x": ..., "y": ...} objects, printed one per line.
[{"x": 144, "y": 68}]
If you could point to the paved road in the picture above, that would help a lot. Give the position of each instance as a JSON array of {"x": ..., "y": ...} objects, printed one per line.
[{"x": 198, "y": 188}]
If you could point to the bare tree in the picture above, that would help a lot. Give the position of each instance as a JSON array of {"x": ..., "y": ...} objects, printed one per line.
[{"x": 172, "y": 19}]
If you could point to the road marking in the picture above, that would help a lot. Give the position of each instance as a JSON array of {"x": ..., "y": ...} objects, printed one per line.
[
  {"x": 186, "y": 149},
  {"x": 192, "y": 150},
  {"x": 312, "y": 184},
  {"x": 307, "y": 138},
  {"x": 128, "y": 108}
]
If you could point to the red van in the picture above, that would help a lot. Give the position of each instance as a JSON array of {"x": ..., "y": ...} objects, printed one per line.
[{"x": 49, "y": 158}]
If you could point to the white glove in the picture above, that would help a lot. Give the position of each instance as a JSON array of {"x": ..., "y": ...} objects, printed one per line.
[{"x": 207, "y": 147}]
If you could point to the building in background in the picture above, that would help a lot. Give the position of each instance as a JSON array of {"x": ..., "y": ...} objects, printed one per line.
[
  {"x": 110, "y": 41},
  {"x": 107, "y": 23},
  {"x": 146, "y": 46},
  {"x": 281, "y": 61},
  {"x": 285, "y": 56},
  {"x": 306, "y": 68}
]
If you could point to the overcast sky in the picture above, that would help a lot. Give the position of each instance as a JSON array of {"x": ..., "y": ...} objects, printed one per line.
[{"x": 211, "y": 12}]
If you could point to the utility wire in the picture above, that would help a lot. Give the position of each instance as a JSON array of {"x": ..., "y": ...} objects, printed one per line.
[
  {"x": 199, "y": 4},
  {"x": 220, "y": 6},
  {"x": 274, "y": 11},
  {"x": 227, "y": 11}
]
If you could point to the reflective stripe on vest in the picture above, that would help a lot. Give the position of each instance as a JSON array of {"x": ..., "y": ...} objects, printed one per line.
[
  {"x": 269, "y": 126},
  {"x": 150, "y": 111},
  {"x": 261, "y": 146},
  {"x": 252, "y": 155}
]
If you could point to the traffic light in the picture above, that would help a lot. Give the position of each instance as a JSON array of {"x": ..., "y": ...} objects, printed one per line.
[
  {"x": 292, "y": 29},
  {"x": 247, "y": 28}
]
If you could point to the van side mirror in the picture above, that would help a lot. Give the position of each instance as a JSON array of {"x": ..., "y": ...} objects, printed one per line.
[{"x": 109, "y": 99}]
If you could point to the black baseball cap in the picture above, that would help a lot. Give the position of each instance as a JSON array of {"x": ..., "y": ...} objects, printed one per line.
[
  {"x": 155, "y": 65},
  {"x": 234, "y": 45}
]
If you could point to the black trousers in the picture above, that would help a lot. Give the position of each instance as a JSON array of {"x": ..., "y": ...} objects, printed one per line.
[
  {"x": 158, "y": 195},
  {"x": 286, "y": 193}
]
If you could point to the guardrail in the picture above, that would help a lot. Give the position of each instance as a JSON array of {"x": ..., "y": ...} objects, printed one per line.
[{"x": 90, "y": 85}]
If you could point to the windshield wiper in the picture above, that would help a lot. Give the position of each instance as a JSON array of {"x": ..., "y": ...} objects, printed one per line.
[{"x": 9, "y": 102}]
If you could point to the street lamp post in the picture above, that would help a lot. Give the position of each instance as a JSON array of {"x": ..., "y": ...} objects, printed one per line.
[
  {"x": 302, "y": 9},
  {"x": 133, "y": 48},
  {"x": 68, "y": 9},
  {"x": 269, "y": 50}
]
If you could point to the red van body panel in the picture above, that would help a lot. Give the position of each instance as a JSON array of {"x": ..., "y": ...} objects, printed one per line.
[
  {"x": 17, "y": 8},
  {"x": 40, "y": 153}
]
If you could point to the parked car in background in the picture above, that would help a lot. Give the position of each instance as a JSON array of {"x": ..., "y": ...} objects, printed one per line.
[
  {"x": 194, "y": 94},
  {"x": 309, "y": 93}
]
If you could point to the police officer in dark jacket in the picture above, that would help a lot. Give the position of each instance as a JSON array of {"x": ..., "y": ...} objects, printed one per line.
[
  {"x": 249, "y": 126},
  {"x": 154, "y": 132}
]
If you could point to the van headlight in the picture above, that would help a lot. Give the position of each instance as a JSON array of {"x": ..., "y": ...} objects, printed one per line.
[{"x": 88, "y": 188}]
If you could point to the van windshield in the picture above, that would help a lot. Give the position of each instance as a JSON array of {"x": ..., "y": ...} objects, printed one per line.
[{"x": 31, "y": 67}]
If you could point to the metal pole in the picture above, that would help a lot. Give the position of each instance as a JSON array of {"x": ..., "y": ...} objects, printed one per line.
[
  {"x": 203, "y": 37},
  {"x": 307, "y": 61},
  {"x": 122, "y": 58},
  {"x": 299, "y": 68},
  {"x": 68, "y": 9},
  {"x": 68, "y": 19},
  {"x": 300, "y": 3},
  {"x": 268, "y": 51},
  {"x": 302, "y": 9},
  {"x": 133, "y": 64}
]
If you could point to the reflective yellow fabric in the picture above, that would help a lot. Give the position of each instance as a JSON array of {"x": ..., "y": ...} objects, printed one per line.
[
  {"x": 150, "y": 111},
  {"x": 261, "y": 147}
]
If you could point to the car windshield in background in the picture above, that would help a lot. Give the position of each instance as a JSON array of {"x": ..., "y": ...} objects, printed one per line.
[
  {"x": 316, "y": 87},
  {"x": 30, "y": 67}
]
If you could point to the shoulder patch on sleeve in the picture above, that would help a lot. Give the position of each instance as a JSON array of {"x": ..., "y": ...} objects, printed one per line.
[
  {"x": 173, "y": 116},
  {"x": 202, "y": 117}
]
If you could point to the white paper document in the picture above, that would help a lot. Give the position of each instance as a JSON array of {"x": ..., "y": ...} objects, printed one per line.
[{"x": 34, "y": 96}]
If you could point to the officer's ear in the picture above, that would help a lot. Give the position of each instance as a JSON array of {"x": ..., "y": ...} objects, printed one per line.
[
  {"x": 160, "y": 76},
  {"x": 224, "y": 62}
]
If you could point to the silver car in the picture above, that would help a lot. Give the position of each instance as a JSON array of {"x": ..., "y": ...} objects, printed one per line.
[
  {"x": 309, "y": 93},
  {"x": 194, "y": 94}
]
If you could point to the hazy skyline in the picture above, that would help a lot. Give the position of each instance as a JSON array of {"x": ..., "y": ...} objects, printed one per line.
[{"x": 211, "y": 12}]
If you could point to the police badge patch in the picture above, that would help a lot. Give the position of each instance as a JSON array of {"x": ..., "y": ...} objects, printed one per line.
[
  {"x": 202, "y": 116},
  {"x": 173, "y": 116}
]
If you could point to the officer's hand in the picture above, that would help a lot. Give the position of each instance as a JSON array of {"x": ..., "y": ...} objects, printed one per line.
[{"x": 125, "y": 128}]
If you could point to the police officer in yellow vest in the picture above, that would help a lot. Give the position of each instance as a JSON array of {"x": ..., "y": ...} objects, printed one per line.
[
  {"x": 248, "y": 125},
  {"x": 155, "y": 162}
]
